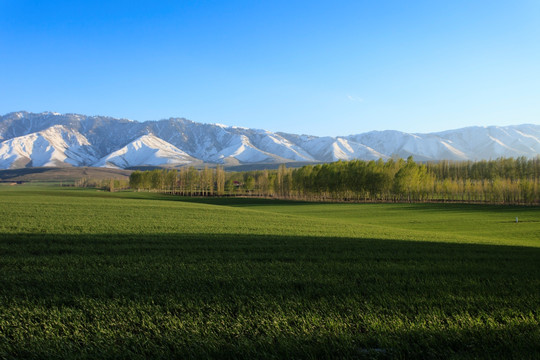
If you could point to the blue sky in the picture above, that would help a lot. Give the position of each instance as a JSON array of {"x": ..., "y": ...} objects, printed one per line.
[{"x": 315, "y": 67}]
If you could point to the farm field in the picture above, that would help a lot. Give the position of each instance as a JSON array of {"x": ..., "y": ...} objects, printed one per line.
[{"x": 91, "y": 274}]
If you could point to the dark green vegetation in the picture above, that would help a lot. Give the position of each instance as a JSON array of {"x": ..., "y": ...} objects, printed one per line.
[
  {"x": 501, "y": 181},
  {"x": 89, "y": 274}
]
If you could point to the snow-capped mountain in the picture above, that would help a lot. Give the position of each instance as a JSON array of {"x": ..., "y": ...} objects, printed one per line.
[
  {"x": 146, "y": 150},
  {"x": 333, "y": 149},
  {"x": 54, "y": 146},
  {"x": 52, "y": 139}
]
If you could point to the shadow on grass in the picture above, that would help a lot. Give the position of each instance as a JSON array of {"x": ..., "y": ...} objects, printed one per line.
[
  {"x": 239, "y": 296},
  {"x": 239, "y": 202}
]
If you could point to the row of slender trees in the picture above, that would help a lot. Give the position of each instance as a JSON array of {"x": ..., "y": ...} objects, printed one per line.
[
  {"x": 105, "y": 184},
  {"x": 512, "y": 181},
  {"x": 506, "y": 168},
  {"x": 186, "y": 181}
]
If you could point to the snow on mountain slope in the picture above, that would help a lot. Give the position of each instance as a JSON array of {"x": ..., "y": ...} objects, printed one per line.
[
  {"x": 219, "y": 143},
  {"x": 201, "y": 141},
  {"x": 275, "y": 144},
  {"x": 105, "y": 138},
  {"x": 494, "y": 141},
  {"x": 146, "y": 150},
  {"x": 420, "y": 146},
  {"x": 272, "y": 143},
  {"x": 348, "y": 150},
  {"x": 103, "y": 133},
  {"x": 55, "y": 146},
  {"x": 333, "y": 149},
  {"x": 240, "y": 150}
]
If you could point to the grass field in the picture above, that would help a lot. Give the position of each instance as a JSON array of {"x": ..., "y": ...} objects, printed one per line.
[{"x": 90, "y": 274}]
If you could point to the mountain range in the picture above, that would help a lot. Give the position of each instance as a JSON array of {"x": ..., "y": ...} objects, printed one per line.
[{"x": 53, "y": 139}]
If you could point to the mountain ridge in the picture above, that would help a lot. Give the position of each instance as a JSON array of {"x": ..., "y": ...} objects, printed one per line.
[{"x": 53, "y": 139}]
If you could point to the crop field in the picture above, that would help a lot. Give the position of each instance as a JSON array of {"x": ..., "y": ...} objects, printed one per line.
[{"x": 91, "y": 274}]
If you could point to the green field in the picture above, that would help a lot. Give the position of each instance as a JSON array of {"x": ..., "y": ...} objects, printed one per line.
[{"x": 91, "y": 274}]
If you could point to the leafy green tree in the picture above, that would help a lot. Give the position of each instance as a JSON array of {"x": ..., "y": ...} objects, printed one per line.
[
  {"x": 136, "y": 180},
  {"x": 249, "y": 184},
  {"x": 171, "y": 179}
]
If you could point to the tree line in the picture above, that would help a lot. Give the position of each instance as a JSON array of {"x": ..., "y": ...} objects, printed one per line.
[
  {"x": 104, "y": 184},
  {"x": 504, "y": 180},
  {"x": 185, "y": 181}
]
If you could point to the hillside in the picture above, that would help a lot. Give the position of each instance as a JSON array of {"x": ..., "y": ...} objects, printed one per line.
[{"x": 62, "y": 174}]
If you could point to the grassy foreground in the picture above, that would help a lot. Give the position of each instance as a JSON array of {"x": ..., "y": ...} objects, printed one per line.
[{"x": 88, "y": 274}]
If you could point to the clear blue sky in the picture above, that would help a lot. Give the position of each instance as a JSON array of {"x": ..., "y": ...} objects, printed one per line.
[{"x": 315, "y": 67}]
